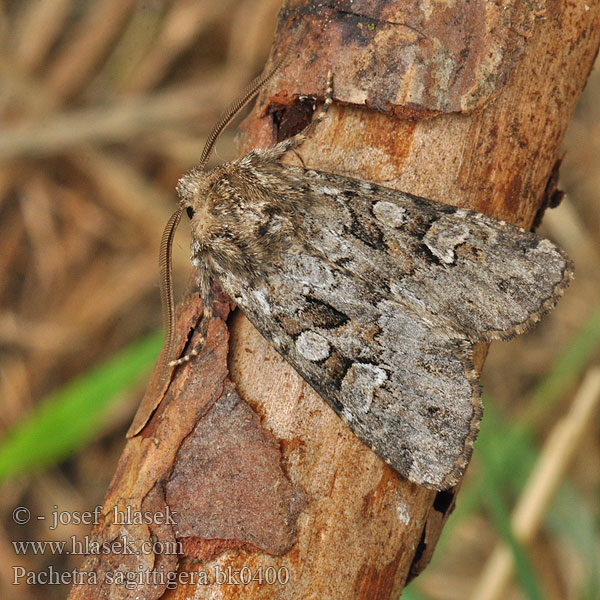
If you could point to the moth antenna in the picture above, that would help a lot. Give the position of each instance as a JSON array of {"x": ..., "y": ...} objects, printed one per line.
[
  {"x": 165, "y": 263},
  {"x": 249, "y": 92},
  {"x": 166, "y": 243}
]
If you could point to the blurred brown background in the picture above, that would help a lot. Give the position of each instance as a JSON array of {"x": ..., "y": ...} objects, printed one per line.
[{"x": 103, "y": 106}]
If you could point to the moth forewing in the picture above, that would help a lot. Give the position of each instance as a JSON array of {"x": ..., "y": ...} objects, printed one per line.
[
  {"x": 407, "y": 393},
  {"x": 373, "y": 319},
  {"x": 457, "y": 269}
]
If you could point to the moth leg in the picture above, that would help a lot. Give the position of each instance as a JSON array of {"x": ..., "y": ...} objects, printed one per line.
[
  {"x": 299, "y": 158},
  {"x": 206, "y": 317},
  {"x": 301, "y": 136}
]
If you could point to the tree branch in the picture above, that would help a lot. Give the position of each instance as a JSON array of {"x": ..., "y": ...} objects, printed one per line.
[{"x": 278, "y": 480}]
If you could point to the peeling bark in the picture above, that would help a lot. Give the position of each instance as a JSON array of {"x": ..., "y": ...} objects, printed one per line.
[{"x": 413, "y": 59}]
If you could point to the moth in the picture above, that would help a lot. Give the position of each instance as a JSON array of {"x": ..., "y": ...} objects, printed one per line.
[{"x": 374, "y": 296}]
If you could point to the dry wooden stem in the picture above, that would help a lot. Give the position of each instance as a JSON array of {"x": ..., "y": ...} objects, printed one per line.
[{"x": 290, "y": 487}]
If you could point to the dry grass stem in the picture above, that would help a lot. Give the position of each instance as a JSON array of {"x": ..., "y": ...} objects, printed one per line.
[{"x": 551, "y": 467}]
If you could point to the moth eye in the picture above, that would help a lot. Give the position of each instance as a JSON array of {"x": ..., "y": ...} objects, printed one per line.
[{"x": 190, "y": 211}]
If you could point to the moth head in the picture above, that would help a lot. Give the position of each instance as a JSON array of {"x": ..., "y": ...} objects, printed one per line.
[
  {"x": 190, "y": 190},
  {"x": 197, "y": 198}
]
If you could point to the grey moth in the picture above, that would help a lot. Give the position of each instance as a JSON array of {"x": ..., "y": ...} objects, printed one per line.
[{"x": 374, "y": 296}]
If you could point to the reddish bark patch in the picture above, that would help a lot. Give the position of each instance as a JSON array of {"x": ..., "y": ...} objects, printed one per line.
[
  {"x": 227, "y": 482},
  {"x": 408, "y": 58}
]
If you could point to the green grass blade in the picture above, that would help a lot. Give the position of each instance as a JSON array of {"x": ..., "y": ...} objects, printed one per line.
[
  {"x": 573, "y": 523},
  {"x": 410, "y": 593},
  {"x": 567, "y": 369},
  {"x": 501, "y": 519},
  {"x": 67, "y": 419},
  {"x": 513, "y": 444}
]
